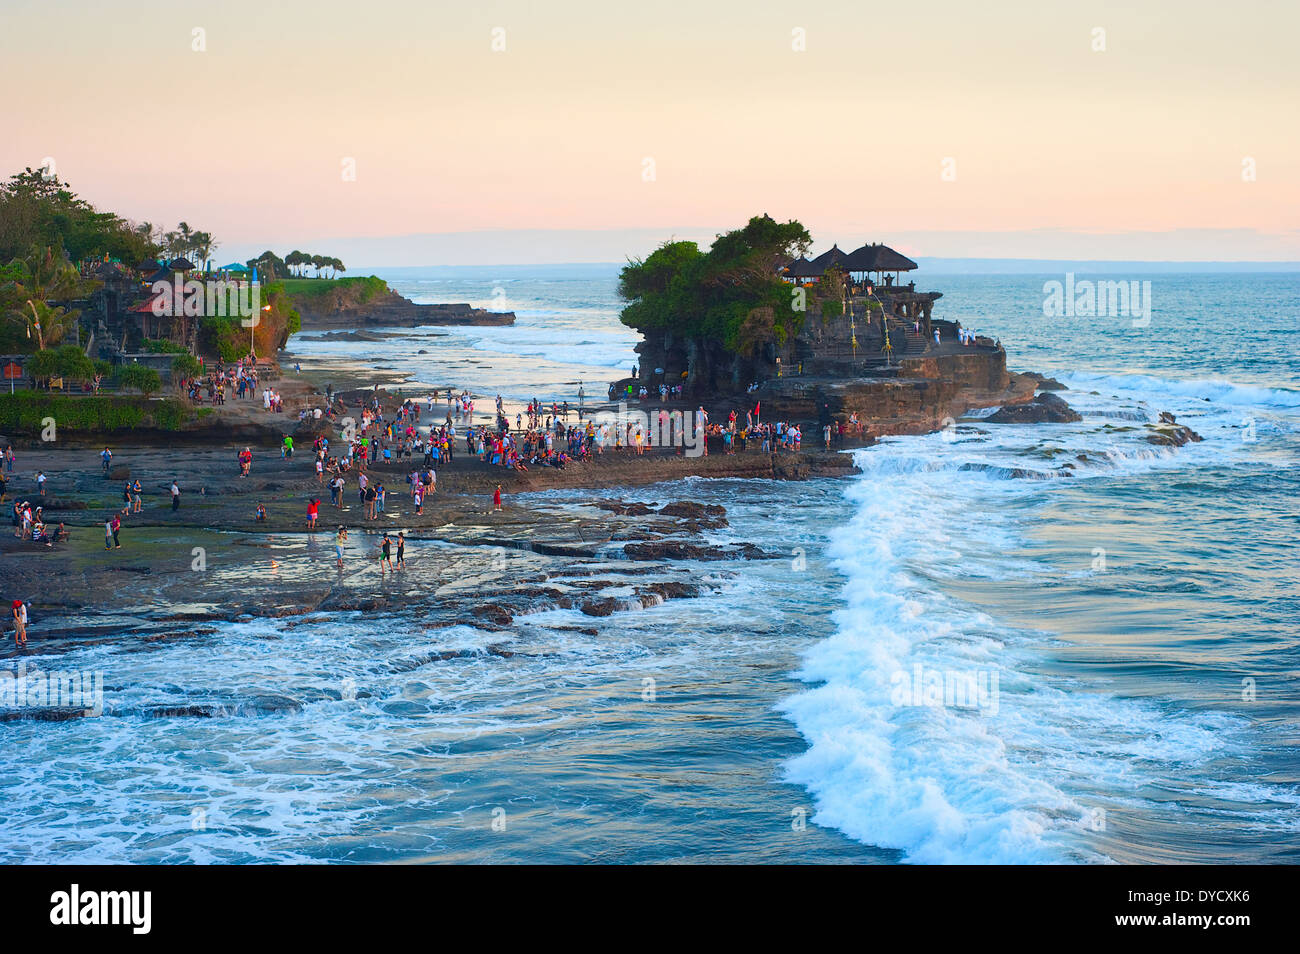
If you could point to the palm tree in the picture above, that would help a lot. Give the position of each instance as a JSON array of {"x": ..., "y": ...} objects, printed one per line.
[
  {"x": 45, "y": 278},
  {"x": 185, "y": 238},
  {"x": 204, "y": 246},
  {"x": 50, "y": 324}
]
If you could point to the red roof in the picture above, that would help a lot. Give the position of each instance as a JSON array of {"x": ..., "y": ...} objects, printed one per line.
[{"x": 146, "y": 306}]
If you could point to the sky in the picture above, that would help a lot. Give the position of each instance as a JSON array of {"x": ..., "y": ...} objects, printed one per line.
[{"x": 425, "y": 133}]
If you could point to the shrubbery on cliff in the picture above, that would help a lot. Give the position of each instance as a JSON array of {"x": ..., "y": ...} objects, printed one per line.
[
  {"x": 731, "y": 294},
  {"x": 226, "y": 337}
]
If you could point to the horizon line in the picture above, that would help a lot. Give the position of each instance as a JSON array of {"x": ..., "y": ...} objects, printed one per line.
[{"x": 1198, "y": 263}]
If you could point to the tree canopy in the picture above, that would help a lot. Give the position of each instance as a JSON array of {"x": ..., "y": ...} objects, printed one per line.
[
  {"x": 732, "y": 293},
  {"x": 40, "y": 211}
]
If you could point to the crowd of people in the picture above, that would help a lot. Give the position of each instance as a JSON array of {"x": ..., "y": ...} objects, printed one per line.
[
  {"x": 420, "y": 436},
  {"x": 239, "y": 379}
]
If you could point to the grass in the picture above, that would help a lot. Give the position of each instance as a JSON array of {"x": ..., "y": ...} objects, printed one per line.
[{"x": 361, "y": 289}]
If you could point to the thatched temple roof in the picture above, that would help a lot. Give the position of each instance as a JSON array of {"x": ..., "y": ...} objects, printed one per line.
[
  {"x": 878, "y": 258},
  {"x": 802, "y": 268},
  {"x": 832, "y": 256}
]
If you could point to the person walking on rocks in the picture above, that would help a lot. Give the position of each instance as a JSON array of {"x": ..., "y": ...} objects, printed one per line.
[
  {"x": 106, "y": 456},
  {"x": 496, "y": 499},
  {"x": 176, "y": 496},
  {"x": 340, "y": 540},
  {"x": 18, "y": 614}
]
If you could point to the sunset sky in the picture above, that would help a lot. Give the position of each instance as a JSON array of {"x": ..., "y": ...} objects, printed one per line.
[{"x": 1058, "y": 150}]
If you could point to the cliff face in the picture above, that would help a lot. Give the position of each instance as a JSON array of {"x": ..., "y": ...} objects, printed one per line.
[
  {"x": 355, "y": 306},
  {"x": 702, "y": 364},
  {"x": 903, "y": 404}
]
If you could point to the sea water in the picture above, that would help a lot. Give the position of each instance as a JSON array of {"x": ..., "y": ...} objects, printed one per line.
[{"x": 999, "y": 643}]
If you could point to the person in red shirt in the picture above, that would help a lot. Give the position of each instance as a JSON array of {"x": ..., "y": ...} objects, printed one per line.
[{"x": 496, "y": 498}]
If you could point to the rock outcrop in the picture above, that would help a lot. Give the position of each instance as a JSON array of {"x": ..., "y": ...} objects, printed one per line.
[
  {"x": 343, "y": 308},
  {"x": 1044, "y": 409}
]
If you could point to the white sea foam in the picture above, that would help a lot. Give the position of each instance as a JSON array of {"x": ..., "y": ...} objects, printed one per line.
[
  {"x": 946, "y": 783},
  {"x": 1214, "y": 390}
]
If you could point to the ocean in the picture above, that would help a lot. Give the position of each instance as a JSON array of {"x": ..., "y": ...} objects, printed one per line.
[{"x": 997, "y": 644}]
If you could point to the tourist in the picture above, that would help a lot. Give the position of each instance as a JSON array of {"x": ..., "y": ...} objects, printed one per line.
[
  {"x": 385, "y": 556},
  {"x": 18, "y": 613},
  {"x": 260, "y": 516},
  {"x": 106, "y": 456},
  {"x": 401, "y": 550},
  {"x": 116, "y": 525},
  {"x": 40, "y": 481},
  {"x": 137, "y": 505},
  {"x": 9, "y": 459},
  {"x": 313, "y": 511},
  {"x": 108, "y": 533},
  {"x": 340, "y": 539},
  {"x": 176, "y": 496},
  {"x": 496, "y": 499}
]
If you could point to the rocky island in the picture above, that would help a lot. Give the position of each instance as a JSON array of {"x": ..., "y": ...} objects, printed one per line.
[
  {"x": 753, "y": 321},
  {"x": 353, "y": 304}
]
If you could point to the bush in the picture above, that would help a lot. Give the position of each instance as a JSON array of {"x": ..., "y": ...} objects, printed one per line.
[
  {"x": 224, "y": 337},
  {"x": 185, "y": 366},
  {"x": 43, "y": 365},
  {"x": 163, "y": 346},
  {"x": 73, "y": 364},
  {"x": 143, "y": 379},
  {"x": 22, "y": 413}
]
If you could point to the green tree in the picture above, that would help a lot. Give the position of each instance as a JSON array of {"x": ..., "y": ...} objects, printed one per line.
[
  {"x": 204, "y": 246},
  {"x": 185, "y": 366},
  {"x": 138, "y": 376},
  {"x": 733, "y": 294},
  {"x": 42, "y": 366},
  {"x": 73, "y": 364},
  {"x": 37, "y": 211},
  {"x": 270, "y": 267}
]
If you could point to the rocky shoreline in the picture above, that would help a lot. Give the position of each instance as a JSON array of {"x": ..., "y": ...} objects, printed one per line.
[
  {"x": 337, "y": 310},
  {"x": 211, "y": 561}
]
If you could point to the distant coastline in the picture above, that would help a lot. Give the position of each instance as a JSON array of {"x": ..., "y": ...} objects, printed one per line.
[{"x": 932, "y": 265}]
